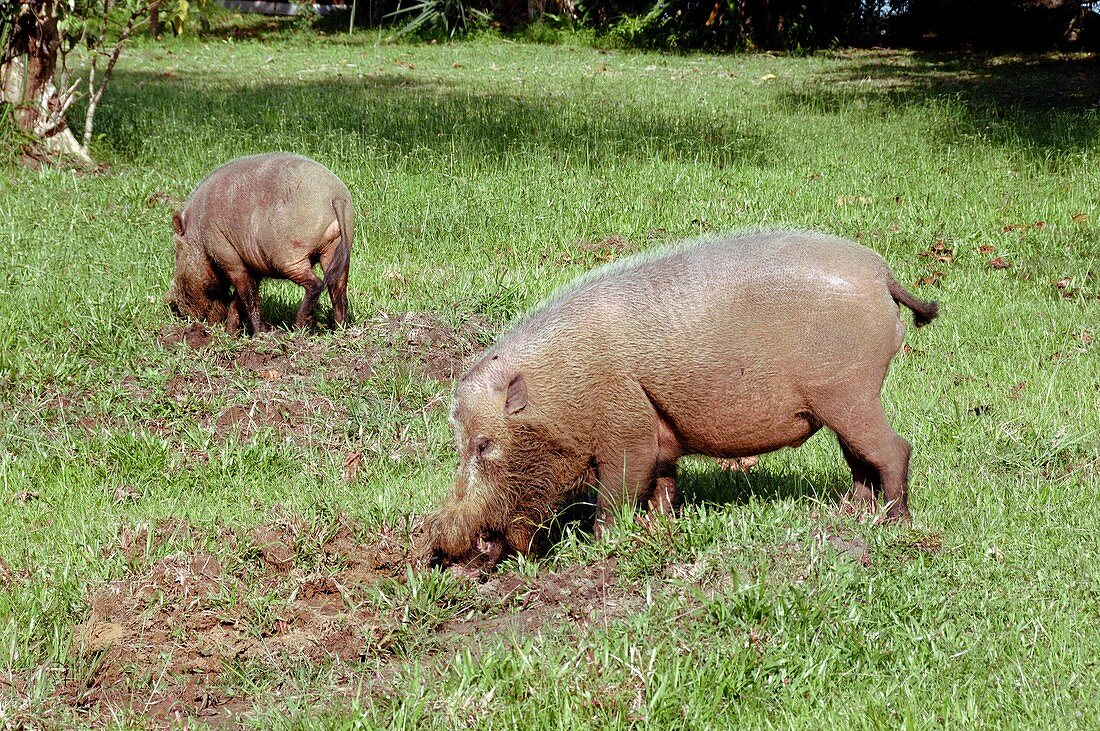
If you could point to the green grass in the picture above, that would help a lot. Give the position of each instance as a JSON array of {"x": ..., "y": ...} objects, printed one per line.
[{"x": 480, "y": 171}]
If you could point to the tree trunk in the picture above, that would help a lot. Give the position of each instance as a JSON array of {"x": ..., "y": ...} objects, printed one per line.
[{"x": 27, "y": 80}]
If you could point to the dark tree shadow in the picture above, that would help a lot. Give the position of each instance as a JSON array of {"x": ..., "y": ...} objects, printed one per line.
[
  {"x": 407, "y": 115},
  {"x": 1043, "y": 101}
]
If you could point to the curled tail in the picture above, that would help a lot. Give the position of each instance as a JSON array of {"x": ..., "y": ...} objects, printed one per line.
[
  {"x": 923, "y": 312},
  {"x": 336, "y": 274}
]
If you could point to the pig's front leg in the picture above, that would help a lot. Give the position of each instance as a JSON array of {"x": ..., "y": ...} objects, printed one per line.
[
  {"x": 246, "y": 300},
  {"x": 666, "y": 497},
  {"x": 233, "y": 317},
  {"x": 625, "y": 475}
]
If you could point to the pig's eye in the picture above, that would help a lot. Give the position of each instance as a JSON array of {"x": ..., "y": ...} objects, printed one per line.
[{"x": 481, "y": 445}]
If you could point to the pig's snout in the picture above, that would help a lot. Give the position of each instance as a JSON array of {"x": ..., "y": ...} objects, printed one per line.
[{"x": 483, "y": 555}]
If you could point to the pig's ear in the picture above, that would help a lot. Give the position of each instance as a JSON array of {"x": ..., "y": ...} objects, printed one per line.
[
  {"x": 517, "y": 395},
  {"x": 177, "y": 223}
]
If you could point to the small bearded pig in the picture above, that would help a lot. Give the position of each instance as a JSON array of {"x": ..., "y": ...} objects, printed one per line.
[
  {"x": 728, "y": 347},
  {"x": 273, "y": 215}
]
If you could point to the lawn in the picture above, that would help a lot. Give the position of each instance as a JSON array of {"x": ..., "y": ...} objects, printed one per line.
[{"x": 200, "y": 529}]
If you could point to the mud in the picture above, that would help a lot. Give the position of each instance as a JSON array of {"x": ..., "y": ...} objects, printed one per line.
[{"x": 287, "y": 592}]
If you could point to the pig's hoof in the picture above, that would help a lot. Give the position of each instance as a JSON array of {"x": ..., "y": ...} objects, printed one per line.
[{"x": 901, "y": 519}]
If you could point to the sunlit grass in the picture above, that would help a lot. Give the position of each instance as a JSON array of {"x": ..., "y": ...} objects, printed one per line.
[{"x": 478, "y": 170}]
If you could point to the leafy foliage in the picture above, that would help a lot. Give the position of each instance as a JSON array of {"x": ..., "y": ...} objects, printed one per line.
[
  {"x": 447, "y": 17},
  {"x": 747, "y": 24}
]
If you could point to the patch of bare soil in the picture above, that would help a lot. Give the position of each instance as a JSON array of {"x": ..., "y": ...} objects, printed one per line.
[
  {"x": 605, "y": 250},
  {"x": 165, "y": 641},
  {"x": 443, "y": 351},
  {"x": 195, "y": 335},
  {"x": 578, "y": 595},
  {"x": 159, "y": 641}
]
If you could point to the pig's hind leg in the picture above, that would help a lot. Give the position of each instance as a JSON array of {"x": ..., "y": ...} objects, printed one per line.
[
  {"x": 873, "y": 449},
  {"x": 337, "y": 285},
  {"x": 861, "y": 499},
  {"x": 304, "y": 277}
]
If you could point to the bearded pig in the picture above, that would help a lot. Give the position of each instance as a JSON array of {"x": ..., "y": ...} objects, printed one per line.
[
  {"x": 728, "y": 346},
  {"x": 274, "y": 215}
]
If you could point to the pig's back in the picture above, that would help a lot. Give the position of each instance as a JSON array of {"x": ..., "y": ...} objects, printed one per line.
[
  {"x": 268, "y": 191},
  {"x": 732, "y": 338}
]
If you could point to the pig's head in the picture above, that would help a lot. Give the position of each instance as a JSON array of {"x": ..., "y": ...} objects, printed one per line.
[
  {"x": 514, "y": 472},
  {"x": 197, "y": 291}
]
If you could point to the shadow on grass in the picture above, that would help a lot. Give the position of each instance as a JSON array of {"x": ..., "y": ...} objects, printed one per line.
[
  {"x": 708, "y": 484},
  {"x": 279, "y": 302},
  {"x": 408, "y": 115},
  {"x": 1043, "y": 101}
]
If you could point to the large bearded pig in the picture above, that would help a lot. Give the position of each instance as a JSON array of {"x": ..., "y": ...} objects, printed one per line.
[
  {"x": 728, "y": 347},
  {"x": 272, "y": 215}
]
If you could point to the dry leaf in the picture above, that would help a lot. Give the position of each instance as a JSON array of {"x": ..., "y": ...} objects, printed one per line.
[
  {"x": 24, "y": 496},
  {"x": 1000, "y": 263},
  {"x": 933, "y": 277},
  {"x": 768, "y": 77},
  {"x": 1039, "y": 224},
  {"x": 714, "y": 14},
  {"x": 846, "y": 200},
  {"x": 1065, "y": 286},
  {"x": 939, "y": 251},
  {"x": 985, "y": 249},
  {"x": 1016, "y": 227},
  {"x": 1017, "y": 390},
  {"x": 1080, "y": 218},
  {"x": 126, "y": 494},
  {"x": 352, "y": 460}
]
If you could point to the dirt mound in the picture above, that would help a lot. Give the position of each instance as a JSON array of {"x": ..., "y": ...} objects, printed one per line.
[
  {"x": 443, "y": 350},
  {"x": 166, "y": 634},
  {"x": 163, "y": 641},
  {"x": 240, "y": 386},
  {"x": 194, "y": 336}
]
